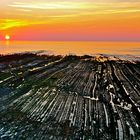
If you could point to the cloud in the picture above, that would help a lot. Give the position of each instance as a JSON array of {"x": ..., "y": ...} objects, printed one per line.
[
  {"x": 74, "y": 5},
  {"x": 48, "y": 5},
  {"x": 11, "y": 23}
]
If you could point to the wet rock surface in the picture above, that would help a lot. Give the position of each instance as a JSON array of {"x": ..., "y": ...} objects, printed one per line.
[{"x": 71, "y": 97}]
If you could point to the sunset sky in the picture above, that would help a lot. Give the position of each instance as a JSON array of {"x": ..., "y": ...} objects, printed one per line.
[{"x": 72, "y": 20}]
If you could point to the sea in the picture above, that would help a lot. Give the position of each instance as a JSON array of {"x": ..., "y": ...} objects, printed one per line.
[{"x": 71, "y": 47}]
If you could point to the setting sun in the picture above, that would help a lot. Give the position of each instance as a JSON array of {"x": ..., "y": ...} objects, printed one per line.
[{"x": 7, "y": 37}]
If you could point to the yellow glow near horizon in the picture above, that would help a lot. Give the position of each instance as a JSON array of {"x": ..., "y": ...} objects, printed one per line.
[{"x": 11, "y": 23}]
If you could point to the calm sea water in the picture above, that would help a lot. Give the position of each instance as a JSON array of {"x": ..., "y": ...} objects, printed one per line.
[{"x": 78, "y": 48}]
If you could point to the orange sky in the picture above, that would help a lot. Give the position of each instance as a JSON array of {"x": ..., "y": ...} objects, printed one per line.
[{"x": 112, "y": 20}]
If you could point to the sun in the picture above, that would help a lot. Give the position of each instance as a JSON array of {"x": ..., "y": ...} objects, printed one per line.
[{"x": 7, "y": 37}]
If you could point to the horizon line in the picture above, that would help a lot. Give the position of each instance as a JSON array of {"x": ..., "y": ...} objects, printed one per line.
[{"x": 73, "y": 40}]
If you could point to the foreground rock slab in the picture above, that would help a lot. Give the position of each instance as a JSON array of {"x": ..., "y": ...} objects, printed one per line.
[{"x": 46, "y": 97}]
